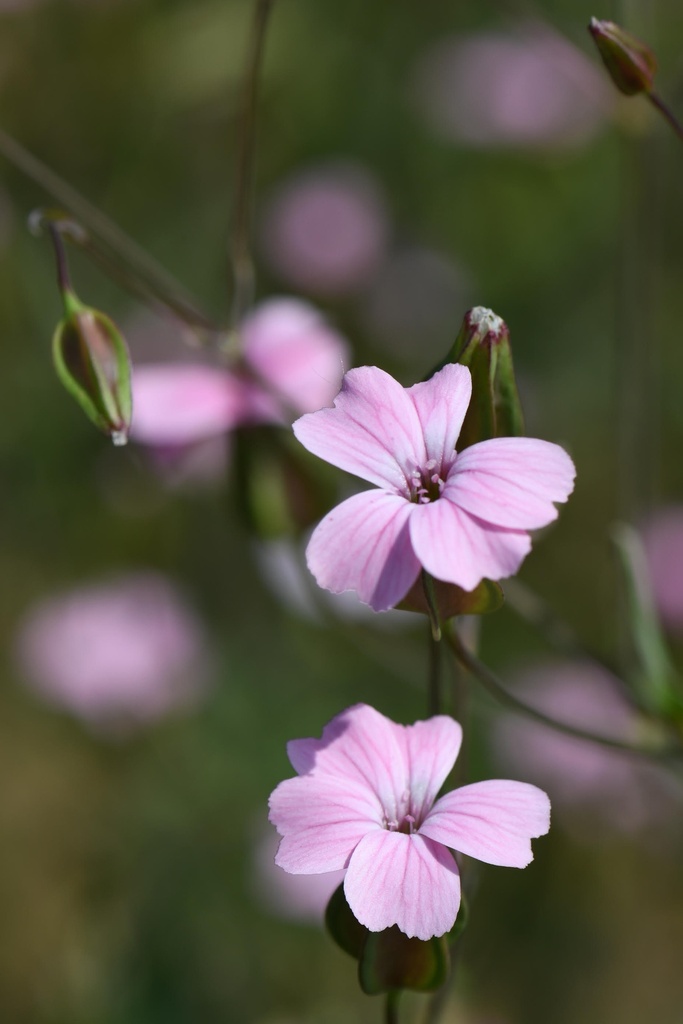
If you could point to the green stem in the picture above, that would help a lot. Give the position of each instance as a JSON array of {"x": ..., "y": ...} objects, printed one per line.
[
  {"x": 162, "y": 285},
  {"x": 559, "y": 633},
  {"x": 434, "y": 680},
  {"x": 63, "y": 277},
  {"x": 240, "y": 243},
  {"x": 657, "y": 102},
  {"x": 495, "y": 688},
  {"x": 432, "y": 605},
  {"x": 391, "y": 1008},
  {"x": 434, "y": 677}
]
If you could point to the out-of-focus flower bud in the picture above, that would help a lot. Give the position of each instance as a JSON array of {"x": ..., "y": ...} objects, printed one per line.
[
  {"x": 92, "y": 362},
  {"x": 630, "y": 63},
  {"x": 483, "y": 345}
]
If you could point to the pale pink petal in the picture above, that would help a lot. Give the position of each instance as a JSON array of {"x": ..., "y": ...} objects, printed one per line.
[
  {"x": 364, "y": 545},
  {"x": 373, "y": 431},
  {"x": 178, "y": 404},
  {"x": 493, "y": 821},
  {"x": 454, "y": 546},
  {"x": 293, "y": 349},
  {"x": 441, "y": 404},
  {"x": 409, "y": 881},
  {"x": 511, "y": 481},
  {"x": 431, "y": 748},
  {"x": 321, "y": 821},
  {"x": 360, "y": 747}
]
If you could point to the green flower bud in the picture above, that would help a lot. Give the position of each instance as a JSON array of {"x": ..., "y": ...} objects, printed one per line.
[
  {"x": 630, "y": 63},
  {"x": 388, "y": 961},
  {"x": 483, "y": 345},
  {"x": 92, "y": 362}
]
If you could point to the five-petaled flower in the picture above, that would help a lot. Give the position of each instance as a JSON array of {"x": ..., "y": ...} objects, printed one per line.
[
  {"x": 462, "y": 516},
  {"x": 364, "y": 799}
]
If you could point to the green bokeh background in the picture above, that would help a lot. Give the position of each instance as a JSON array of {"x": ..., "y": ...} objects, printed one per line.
[{"x": 126, "y": 874}]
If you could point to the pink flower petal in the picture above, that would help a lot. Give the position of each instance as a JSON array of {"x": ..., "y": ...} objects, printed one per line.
[
  {"x": 293, "y": 349},
  {"x": 373, "y": 431},
  {"x": 441, "y": 404},
  {"x": 454, "y": 546},
  {"x": 364, "y": 545},
  {"x": 511, "y": 481},
  {"x": 431, "y": 749},
  {"x": 409, "y": 881},
  {"x": 321, "y": 821},
  {"x": 178, "y": 404},
  {"x": 493, "y": 821},
  {"x": 362, "y": 747}
]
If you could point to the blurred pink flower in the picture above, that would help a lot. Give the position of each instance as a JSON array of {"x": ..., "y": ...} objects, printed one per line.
[
  {"x": 325, "y": 230},
  {"x": 581, "y": 776},
  {"x": 462, "y": 516},
  {"x": 663, "y": 541},
  {"x": 364, "y": 800},
  {"x": 292, "y": 360},
  {"x": 527, "y": 88},
  {"x": 300, "y": 897},
  {"x": 116, "y": 654},
  {"x": 181, "y": 403}
]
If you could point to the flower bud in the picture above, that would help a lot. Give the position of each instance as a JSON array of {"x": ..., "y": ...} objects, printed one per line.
[
  {"x": 92, "y": 362},
  {"x": 483, "y": 345},
  {"x": 388, "y": 961},
  {"x": 630, "y": 63}
]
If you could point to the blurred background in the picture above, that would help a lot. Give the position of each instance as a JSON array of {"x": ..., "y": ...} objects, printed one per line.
[{"x": 158, "y": 651}]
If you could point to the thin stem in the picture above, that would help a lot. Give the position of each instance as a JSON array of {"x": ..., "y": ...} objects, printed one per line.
[
  {"x": 434, "y": 679},
  {"x": 391, "y": 1008},
  {"x": 495, "y": 688},
  {"x": 162, "y": 285},
  {"x": 559, "y": 633},
  {"x": 657, "y": 101},
  {"x": 432, "y": 604},
  {"x": 240, "y": 242},
  {"x": 63, "y": 278}
]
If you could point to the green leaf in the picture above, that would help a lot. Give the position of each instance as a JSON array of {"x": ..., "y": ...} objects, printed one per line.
[{"x": 655, "y": 681}]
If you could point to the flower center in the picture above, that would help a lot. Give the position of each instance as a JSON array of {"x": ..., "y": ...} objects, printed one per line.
[
  {"x": 406, "y": 825},
  {"x": 425, "y": 483}
]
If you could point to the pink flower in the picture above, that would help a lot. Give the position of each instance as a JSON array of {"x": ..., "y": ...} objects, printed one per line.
[
  {"x": 326, "y": 229},
  {"x": 293, "y": 360},
  {"x": 528, "y": 88},
  {"x": 115, "y": 654},
  {"x": 299, "y": 897},
  {"x": 462, "y": 516},
  {"x": 364, "y": 800}
]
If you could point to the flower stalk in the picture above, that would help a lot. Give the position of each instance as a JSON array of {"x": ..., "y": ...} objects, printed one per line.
[
  {"x": 497, "y": 690},
  {"x": 391, "y": 1008},
  {"x": 242, "y": 264}
]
